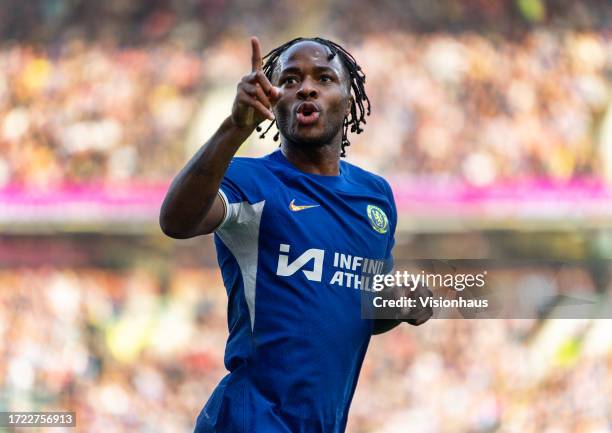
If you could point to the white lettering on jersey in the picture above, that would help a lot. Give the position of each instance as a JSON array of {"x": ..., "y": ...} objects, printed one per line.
[
  {"x": 351, "y": 271},
  {"x": 286, "y": 269}
]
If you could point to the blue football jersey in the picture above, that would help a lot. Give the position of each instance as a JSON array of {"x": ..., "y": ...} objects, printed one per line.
[{"x": 291, "y": 248}]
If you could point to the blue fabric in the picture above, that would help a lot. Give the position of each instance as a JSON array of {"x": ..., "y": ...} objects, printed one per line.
[{"x": 296, "y": 369}]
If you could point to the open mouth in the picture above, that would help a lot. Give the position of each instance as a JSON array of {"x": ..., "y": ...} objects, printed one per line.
[{"x": 307, "y": 113}]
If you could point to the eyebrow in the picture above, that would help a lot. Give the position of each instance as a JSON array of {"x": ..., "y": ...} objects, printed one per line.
[{"x": 319, "y": 69}]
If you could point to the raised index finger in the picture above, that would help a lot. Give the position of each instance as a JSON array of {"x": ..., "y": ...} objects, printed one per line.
[{"x": 256, "y": 56}]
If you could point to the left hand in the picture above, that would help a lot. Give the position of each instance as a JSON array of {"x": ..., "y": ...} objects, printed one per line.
[{"x": 419, "y": 314}]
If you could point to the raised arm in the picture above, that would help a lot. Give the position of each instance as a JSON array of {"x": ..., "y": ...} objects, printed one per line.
[{"x": 192, "y": 206}]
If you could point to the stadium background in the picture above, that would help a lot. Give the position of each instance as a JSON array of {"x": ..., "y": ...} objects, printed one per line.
[{"x": 491, "y": 119}]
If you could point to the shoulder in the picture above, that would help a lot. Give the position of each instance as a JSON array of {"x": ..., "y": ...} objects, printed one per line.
[
  {"x": 251, "y": 165},
  {"x": 244, "y": 162},
  {"x": 366, "y": 179},
  {"x": 248, "y": 169},
  {"x": 248, "y": 179}
]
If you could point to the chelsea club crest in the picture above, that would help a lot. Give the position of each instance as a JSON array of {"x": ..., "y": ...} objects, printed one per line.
[{"x": 378, "y": 219}]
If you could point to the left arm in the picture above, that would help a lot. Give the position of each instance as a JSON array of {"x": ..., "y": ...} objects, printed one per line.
[{"x": 418, "y": 315}]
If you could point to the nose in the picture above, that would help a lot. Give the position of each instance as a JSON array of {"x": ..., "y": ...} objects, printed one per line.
[{"x": 307, "y": 90}]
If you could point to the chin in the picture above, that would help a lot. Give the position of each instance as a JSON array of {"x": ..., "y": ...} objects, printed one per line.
[
  {"x": 309, "y": 141},
  {"x": 312, "y": 137},
  {"x": 308, "y": 138}
]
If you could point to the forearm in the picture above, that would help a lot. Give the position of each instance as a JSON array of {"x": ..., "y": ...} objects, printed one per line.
[
  {"x": 383, "y": 325},
  {"x": 193, "y": 190}
]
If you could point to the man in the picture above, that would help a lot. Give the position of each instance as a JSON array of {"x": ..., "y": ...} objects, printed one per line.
[{"x": 293, "y": 231}]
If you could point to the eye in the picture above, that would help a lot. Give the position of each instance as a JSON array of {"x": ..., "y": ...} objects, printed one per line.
[
  {"x": 289, "y": 80},
  {"x": 326, "y": 78}
]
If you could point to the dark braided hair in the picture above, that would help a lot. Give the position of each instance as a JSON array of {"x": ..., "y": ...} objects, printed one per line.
[{"x": 357, "y": 81}]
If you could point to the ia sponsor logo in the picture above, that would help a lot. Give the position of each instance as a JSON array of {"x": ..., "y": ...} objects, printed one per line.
[
  {"x": 286, "y": 269},
  {"x": 349, "y": 271}
]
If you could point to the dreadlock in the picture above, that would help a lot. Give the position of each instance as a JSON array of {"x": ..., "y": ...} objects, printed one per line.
[{"x": 357, "y": 80}]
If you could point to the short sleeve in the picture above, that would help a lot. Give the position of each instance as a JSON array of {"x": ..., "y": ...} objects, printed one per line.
[
  {"x": 239, "y": 187},
  {"x": 389, "y": 261},
  {"x": 234, "y": 183}
]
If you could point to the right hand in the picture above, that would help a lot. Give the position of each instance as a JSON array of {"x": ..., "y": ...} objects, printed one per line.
[{"x": 255, "y": 96}]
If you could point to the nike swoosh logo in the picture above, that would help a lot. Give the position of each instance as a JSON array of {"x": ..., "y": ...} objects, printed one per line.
[{"x": 296, "y": 208}]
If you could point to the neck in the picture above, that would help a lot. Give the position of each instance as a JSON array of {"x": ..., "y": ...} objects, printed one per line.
[{"x": 323, "y": 160}]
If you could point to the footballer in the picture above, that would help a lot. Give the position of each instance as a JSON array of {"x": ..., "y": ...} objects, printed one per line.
[{"x": 292, "y": 231}]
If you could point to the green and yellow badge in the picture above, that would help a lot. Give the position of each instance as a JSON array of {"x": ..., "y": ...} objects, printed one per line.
[{"x": 378, "y": 219}]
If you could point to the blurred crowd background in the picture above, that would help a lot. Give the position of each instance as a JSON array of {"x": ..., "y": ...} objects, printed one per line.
[
  {"x": 87, "y": 99},
  {"x": 120, "y": 93},
  {"x": 129, "y": 351}
]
